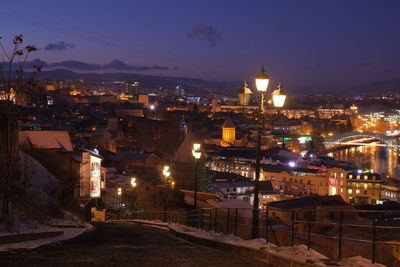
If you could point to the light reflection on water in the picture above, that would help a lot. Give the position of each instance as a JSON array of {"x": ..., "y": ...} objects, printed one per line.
[{"x": 381, "y": 159}]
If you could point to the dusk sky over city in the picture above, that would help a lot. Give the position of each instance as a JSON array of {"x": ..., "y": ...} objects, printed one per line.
[{"x": 302, "y": 43}]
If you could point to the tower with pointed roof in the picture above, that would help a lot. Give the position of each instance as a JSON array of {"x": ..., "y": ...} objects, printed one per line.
[
  {"x": 354, "y": 110},
  {"x": 228, "y": 131},
  {"x": 183, "y": 127}
]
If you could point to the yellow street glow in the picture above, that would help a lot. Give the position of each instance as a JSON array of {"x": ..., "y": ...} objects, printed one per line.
[{"x": 196, "y": 151}]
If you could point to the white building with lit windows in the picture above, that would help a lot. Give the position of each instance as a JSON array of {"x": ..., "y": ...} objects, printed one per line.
[{"x": 90, "y": 175}]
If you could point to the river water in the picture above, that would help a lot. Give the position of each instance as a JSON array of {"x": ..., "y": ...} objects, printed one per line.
[{"x": 381, "y": 159}]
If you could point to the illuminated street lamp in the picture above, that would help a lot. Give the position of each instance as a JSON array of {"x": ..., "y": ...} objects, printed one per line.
[
  {"x": 166, "y": 172},
  {"x": 133, "y": 182},
  {"x": 262, "y": 81},
  {"x": 279, "y": 96},
  {"x": 278, "y": 99},
  {"x": 197, "y": 155},
  {"x": 118, "y": 198},
  {"x": 152, "y": 109}
]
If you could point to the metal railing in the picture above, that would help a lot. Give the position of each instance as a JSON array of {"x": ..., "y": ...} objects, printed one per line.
[{"x": 336, "y": 234}]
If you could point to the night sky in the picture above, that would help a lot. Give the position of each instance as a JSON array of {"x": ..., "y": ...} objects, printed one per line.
[{"x": 334, "y": 43}]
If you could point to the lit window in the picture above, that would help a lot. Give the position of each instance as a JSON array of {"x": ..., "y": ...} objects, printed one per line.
[
  {"x": 350, "y": 191},
  {"x": 351, "y": 176},
  {"x": 358, "y": 191}
]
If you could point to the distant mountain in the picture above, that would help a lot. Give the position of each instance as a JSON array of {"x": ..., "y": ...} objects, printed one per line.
[
  {"x": 191, "y": 85},
  {"x": 377, "y": 87}
]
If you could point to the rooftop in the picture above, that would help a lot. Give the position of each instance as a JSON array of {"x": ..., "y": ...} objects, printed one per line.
[
  {"x": 228, "y": 123},
  {"x": 47, "y": 139}
]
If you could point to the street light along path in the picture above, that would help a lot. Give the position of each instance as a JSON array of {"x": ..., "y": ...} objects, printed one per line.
[{"x": 124, "y": 244}]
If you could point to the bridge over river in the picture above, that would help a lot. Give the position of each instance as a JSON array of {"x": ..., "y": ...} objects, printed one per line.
[{"x": 362, "y": 139}]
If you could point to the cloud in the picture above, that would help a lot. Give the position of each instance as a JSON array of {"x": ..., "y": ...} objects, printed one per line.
[
  {"x": 366, "y": 64},
  {"x": 60, "y": 46},
  {"x": 84, "y": 66},
  {"x": 205, "y": 32}
]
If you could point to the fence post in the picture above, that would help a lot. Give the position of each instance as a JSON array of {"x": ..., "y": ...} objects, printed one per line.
[
  {"x": 373, "y": 239},
  {"x": 202, "y": 219},
  {"x": 236, "y": 221},
  {"x": 293, "y": 221},
  {"x": 227, "y": 221},
  {"x": 266, "y": 225},
  {"x": 340, "y": 235},
  {"x": 210, "y": 221},
  {"x": 215, "y": 220},
  {"x": 309, "y": 234}
]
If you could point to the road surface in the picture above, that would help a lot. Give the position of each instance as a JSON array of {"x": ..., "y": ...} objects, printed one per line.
[{"x": 124, "y": 244}]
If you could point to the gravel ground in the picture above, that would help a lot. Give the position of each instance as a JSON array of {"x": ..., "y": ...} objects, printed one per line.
[{"x": 124, "y": 244}]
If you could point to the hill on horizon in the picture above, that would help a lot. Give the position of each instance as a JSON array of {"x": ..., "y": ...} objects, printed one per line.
[{"x": 193, "y": 85}]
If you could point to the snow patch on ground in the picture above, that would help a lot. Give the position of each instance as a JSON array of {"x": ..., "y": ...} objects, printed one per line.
[
  {"x": 299, "y": 253},
  {"x": 68, "y": 234},
  {"x": 358, "y": 261},
  {"x": 34, "y": 226}
]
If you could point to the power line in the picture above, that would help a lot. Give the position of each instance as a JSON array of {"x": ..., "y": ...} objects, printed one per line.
[{"x": 59, "y": 28}]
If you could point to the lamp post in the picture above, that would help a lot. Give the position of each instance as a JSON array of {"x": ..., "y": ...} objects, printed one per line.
[
  {"x": 133, "y": 184},
  {"x": 119, "y": 197},
  {"x": 166, "y": 172},
  {"x": 196, "y": 154},
  {"x": 278, "y": 99},
  {"x": 261, "y": 81}
]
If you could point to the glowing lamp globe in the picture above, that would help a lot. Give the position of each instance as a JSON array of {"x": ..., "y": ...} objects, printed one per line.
[
  {"x": 133, "y": 182},
  {"x": 279, "y": 97},
  {"x": 196, "y": 151},
  {"x": 262, "y": 81},
  {"x": 166, "y": 171}
]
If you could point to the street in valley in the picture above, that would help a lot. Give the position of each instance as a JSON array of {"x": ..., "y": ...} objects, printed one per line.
[{"x": 123, "y": 244}]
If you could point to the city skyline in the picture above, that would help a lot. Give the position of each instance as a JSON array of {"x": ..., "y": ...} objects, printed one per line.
[{"x": 305, "y": 44}]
